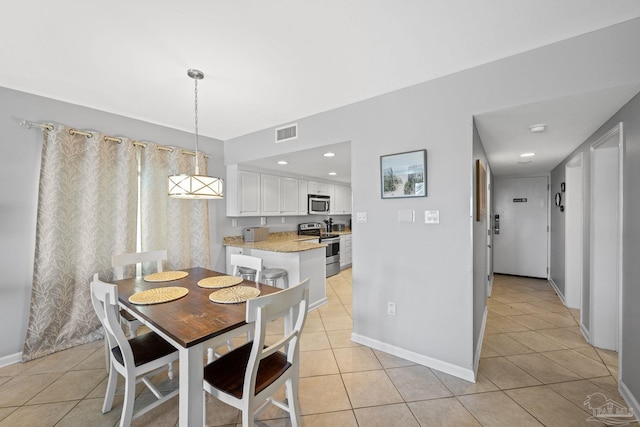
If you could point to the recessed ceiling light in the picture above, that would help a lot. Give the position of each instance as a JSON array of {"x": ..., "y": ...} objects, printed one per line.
[
  {"x": 283, "y": 162},
  {"x": 329, "y": 154},
  {"x": 540, "y": 127},
  {"x": 527, "y": 154},
  {"x": 333, "y": 173},
  {"x": 524, "y": 162}
]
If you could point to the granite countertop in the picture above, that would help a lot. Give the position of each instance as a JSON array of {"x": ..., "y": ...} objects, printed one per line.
[{"x": 285, "y": 241}]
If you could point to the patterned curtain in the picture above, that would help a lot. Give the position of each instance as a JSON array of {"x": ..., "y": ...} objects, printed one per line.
[
  {"x": 178, "y": 225},
  {"x": 86, "y": 212}
]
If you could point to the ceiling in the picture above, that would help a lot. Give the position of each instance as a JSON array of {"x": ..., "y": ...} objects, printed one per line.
[
  {"x": 312, "y": 162},
  {"x": 569, "y": 121},
  {"x": 270, "y": 63}
]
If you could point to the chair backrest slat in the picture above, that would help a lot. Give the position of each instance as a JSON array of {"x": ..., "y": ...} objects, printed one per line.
[
  {"x": 239, "y": 260},
  {"x": 119, "y": 261}
]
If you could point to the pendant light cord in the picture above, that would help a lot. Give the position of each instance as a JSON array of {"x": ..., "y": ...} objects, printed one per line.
[{"x": 196, "y": 110}]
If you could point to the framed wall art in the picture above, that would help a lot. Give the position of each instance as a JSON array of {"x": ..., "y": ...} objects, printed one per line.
[{"x": 403, "y": 175}]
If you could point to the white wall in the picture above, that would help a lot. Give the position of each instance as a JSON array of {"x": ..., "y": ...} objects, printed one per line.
[
  {"x": 20, "y": 150},
  {"x": 428, "y": 270}
]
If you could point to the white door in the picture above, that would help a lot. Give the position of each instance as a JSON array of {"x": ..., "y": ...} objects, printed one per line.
[{"x": 520, "y": 238}]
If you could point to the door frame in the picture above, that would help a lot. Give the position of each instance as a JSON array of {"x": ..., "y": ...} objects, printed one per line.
[
  {"x": 618, "y": 129},
  {"x": 489, "y": 236},
  {"x": 574, "y": 179}
]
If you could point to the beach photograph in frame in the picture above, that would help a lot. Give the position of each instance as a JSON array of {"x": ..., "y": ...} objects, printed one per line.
[{"x": 404, "y": 174}]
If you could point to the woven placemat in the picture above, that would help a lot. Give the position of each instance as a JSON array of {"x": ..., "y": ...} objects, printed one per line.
[
  {"x": 218, "y": 282},
  {"x": 234, "y": 295},
  {"x": 158, "y": 295},
  {"x": 165, "y": 276}
]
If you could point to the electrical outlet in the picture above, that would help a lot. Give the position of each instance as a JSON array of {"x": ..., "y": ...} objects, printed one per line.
[
  {"x": 234, "y": 222},
  {"x": 391, "y": 308}
]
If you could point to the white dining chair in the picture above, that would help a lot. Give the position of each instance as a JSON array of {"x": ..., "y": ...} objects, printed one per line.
[
  {"x": 248, "y": 376},
  {"x": 237, "y": 262},
  {"x": 136, "y": 359},
  {"x": 120, "y": 262}
]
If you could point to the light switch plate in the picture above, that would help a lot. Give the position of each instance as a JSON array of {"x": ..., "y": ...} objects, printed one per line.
[
  {"x": 361, "y": 217},
  {"x": 407, "y": 216},
  {"x": 432, "y": 217}
]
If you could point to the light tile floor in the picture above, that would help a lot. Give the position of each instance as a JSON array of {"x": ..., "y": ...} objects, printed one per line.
[{"x": 535, "y": 369}]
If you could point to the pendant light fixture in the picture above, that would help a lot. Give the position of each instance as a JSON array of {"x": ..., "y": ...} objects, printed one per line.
[{"x": 195, "y": 186}]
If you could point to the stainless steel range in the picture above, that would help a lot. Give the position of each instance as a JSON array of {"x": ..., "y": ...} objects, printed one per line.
[{"x": 331, "y": 240}]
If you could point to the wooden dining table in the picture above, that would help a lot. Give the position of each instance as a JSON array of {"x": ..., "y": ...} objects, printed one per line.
[{"x": 191, "y": 323}]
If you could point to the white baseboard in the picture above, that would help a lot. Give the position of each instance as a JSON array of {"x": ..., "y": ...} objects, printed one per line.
[
  {"x": 585, "y": 333},
  {"x": 476, "y": 357},
  {"x": 10, "y": 359},
  {"x": 560, "y": 294},
  {"x": 629, "y": 398},
  {"x": 430, "y": 362},
  {"x": 318, "y": 303}
]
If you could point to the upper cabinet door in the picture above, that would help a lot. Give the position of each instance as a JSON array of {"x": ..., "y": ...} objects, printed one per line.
[
  {"x": 303, "y": 197},
  {"x": 249, "y": 193},
  {"x": 341, "y": 200},
  {"x": 318, "y": 188},
  {"x": 270, "y": 196},
  {"x": 242, "y": 192},
  {"x": 289, "y": 196}
]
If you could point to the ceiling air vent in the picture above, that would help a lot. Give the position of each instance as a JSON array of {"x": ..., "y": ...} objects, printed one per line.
[{"x": 286, "y": 133}]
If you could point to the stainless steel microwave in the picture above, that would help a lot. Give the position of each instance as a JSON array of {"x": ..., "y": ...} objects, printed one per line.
[{"x": 318, "y": 204}]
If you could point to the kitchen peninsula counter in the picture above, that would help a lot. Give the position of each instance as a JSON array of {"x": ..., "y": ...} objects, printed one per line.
[
  {"x": 287, "y": 241},
  {"x": 299, "y": 255}
]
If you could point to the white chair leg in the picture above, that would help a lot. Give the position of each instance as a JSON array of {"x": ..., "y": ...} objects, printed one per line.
[
  {"x": 247, "y": 416},
  {"x": 111, "y": 390},
  {"x": 291, "y": 386},
  {"x": 129, "y": 396},
  {"x": 204, "y": 407}
]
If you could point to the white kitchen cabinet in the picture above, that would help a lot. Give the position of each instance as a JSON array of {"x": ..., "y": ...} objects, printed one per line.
[
  {"x": 345, "y": 251},
  {"x": 242, "y": 192},
  {"x": 318, "y": 188},
  {"x": 279, "y": 196},
  {"x": 341, "y": 200},
  {"x": 269, "y": 195},
  {"x": 303, "y": 195},
  {"x": 289, "y": 196}
]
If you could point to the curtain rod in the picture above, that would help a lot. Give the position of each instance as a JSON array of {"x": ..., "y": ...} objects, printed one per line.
[{"x": 47, "y": 126}]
